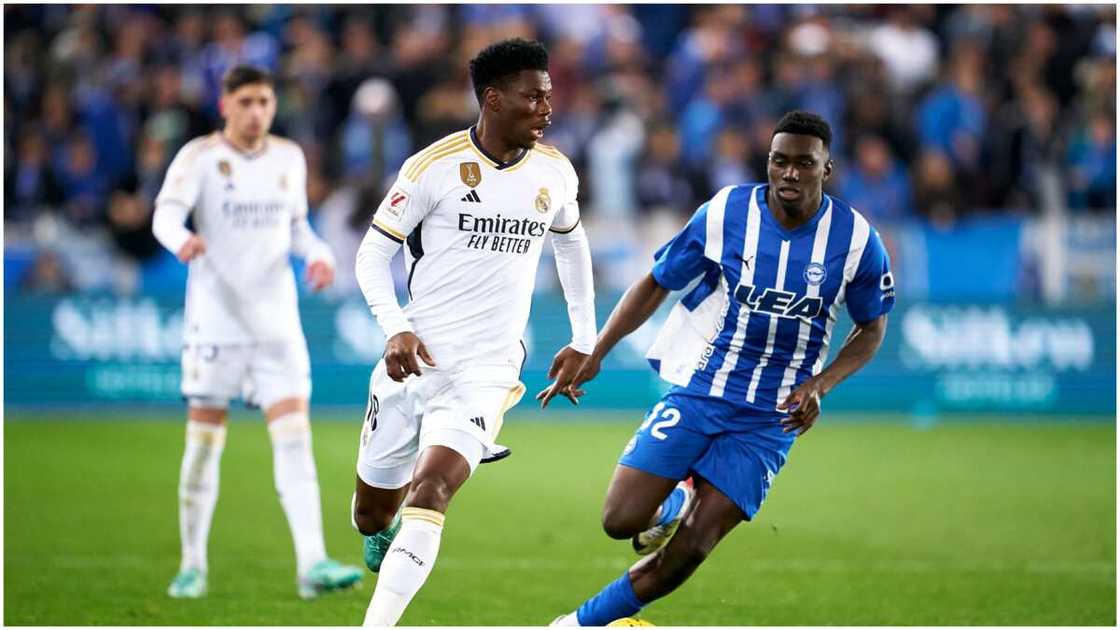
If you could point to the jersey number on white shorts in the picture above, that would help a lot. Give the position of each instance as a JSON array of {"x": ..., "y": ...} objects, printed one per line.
[{"x": 371, "y": 411}]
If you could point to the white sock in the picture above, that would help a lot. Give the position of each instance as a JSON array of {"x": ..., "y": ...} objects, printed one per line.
[
  {"x": 406, "y": 565},
  {"x": 198, "y": 490},
  {"x": 293, "y": 468}
]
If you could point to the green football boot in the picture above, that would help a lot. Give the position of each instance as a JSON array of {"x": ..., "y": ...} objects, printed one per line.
[
  {"x": 189, "y": 584},
  {"x": 328, "y": 575},
  {"x": 376, "y": 546}
]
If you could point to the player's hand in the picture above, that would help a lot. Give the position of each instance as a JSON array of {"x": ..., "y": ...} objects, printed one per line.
[
  {"x": 565, "y": 366},
  {"x": 320, "y": 275},
  {"x": 400, "y": 356},
  {"x": 804, "y": 407},
  {"x": 194, "y": 247}
]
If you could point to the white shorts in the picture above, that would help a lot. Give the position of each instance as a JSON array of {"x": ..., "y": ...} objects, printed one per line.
[
  {"x": 260, "y": 374},
  {"x": 461, "y": 409}
]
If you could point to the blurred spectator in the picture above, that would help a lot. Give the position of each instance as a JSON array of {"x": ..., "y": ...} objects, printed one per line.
[
  {"x": 1023, "y": 139},
  {"x": 172, "y": 118},
  {"x": 151, "y": 165},
  {"x": 57, "y": 116},
  {"x": 712, "y": 40},
  {"x": 662, "y": 181},
  {"x": 374, "y": 140},
  {"x": 47, "y": 276},
  {"x": 936, "y": 189},
  {"x": 876, "y": 184},
  {"x": 1092, "y": 164},
  {"x": 703, "y": 118},
  {"x": 83, "y": 186},
  {"x": 909, "y": 50},
  {"x": 952, "y": 118},
  {"x": 871, "y": 114},
  {"x": 821, "y": 94},
  {"x": 342, "y": 221},
  {"x": 574, "y": 124},
  {"x": 612, "y": 154},
  {"x": 728, "y": 164},
  {"x": 130, "y": 223},
  {"x": 231, "y": 46},
  {"x": 30, "y": 185},
  {"x": 360, "y": 58}
]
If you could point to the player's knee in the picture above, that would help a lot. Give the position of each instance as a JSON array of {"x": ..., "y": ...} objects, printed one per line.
[
  {"x": 431, "y": 492},
  {"x": 620, "y": 525}
]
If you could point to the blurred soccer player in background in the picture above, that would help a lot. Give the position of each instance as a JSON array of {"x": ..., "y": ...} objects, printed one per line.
[
  {"x": 242, "y": 333},
  {"x": 744, "y": 351}
]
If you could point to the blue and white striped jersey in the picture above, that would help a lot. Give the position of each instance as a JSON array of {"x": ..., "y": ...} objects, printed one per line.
[{"x": 758, "y": 323}]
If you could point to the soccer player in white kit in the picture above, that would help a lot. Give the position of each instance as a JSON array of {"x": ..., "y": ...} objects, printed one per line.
[
  {"x": 474, "y": 209},
  {"x": 242, "y": 337}
]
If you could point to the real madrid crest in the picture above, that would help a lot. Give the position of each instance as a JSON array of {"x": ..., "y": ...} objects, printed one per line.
[
  {"x": 470, "y": 173},
  {"x": 544, "y": 202},
  {"x": 226, "y": 171}
]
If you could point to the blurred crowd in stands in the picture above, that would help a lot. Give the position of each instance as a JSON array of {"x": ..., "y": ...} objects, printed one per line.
[{"x": 938, "y": 111}]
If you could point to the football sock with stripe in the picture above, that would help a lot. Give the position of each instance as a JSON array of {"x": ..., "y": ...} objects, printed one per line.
[
  {"x": 297, "y": 484},
  {"x": 198, "y": 490},
  {"x": 671, "y": 506},
  {"x": 615, "y": 601},
  {"x": 406, "y": 565}
]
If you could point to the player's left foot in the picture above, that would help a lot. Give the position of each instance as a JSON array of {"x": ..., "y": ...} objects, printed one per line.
[
  {"x": 376, "y": 546},
  {"x": 328, "y": 575},
  {"x": 655, "y": 537},
  {"x": 189, "y": 584}
]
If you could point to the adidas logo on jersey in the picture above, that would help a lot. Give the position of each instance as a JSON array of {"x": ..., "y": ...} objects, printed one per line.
[
  {"x": 472, "y": 196},
  {"x": 479, "y": 422}
]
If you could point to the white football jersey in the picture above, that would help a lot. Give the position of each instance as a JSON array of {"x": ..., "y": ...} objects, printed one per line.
[
  {"x": 473, "y": 230},
  {"x": 242, "y": 289}
]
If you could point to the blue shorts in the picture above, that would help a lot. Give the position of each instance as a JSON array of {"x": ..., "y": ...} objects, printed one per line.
[{"x": 734, "y": 449}]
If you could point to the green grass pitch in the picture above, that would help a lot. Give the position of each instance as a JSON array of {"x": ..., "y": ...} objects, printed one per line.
[{"x": 870, "y": 523}]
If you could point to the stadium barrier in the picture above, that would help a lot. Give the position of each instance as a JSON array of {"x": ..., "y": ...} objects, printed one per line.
[{"x": 937, "y": 357}]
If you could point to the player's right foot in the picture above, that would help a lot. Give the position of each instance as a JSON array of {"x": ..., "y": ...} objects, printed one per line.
[
  {"x": 376, "y": 546},
  {"x": 189, "y": 584},
  {"x": 655, "y": 537},
  {"x": 328, "y": 575}
]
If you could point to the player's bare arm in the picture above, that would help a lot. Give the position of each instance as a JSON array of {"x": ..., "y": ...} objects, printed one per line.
[
  {"x": 804, "y": 402},
  {"x": 639, "y": 302}
]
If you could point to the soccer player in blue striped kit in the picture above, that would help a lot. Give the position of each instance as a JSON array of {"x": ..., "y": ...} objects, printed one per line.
[{"x": 744, "y": 350}]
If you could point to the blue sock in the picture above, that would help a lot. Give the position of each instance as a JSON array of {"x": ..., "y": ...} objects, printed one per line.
[
  {"x": 615, "y": 601},
  {"x": 671, "y": 506}
]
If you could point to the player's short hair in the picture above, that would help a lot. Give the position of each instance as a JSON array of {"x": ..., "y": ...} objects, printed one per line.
[
  {"x": 498, "y": 62},
  {"x": 806, "y": 124},
  {"x": 242, "y": 75}
]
